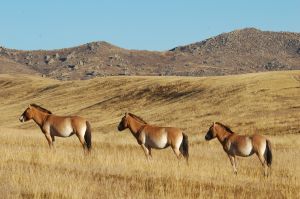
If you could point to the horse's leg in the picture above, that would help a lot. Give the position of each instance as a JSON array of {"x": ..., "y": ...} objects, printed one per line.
[
  {"x": 146, "y": 151},
  {"x": 82, "y": 141},
  {"x": 149, "y": 149},
  {"x": 235, "y": 163},
  {"x": 47, "y": 134},
  {"x": 263, "y": 162},
  {"x": 177, "y": 152},
  {"x": 53, "y": 139},
  {"x": 49, "y": 139},
  {"x": 232, "y": 161}
]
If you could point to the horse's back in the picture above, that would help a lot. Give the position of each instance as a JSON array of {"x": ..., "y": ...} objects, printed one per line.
[
  {"x": 258, "y": 138},
  {"x": 171, "y": 131},
  {"x": 174, "y": 132},
  {"x": 159, "y": 129},
  {"x": 66, "y": 119},
  {"x": 77, "y": 120}
]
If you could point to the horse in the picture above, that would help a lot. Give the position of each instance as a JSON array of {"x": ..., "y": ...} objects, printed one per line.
[
  {"x": 241, "y": 145},
  {"x": 150, "y": 136},
  {"x": 60, "y": 126}
]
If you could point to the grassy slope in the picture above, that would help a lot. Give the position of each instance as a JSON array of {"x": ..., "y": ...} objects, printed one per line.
[
  {"x": 8, "y": 66},
  {"x": 267, "y": 103}
]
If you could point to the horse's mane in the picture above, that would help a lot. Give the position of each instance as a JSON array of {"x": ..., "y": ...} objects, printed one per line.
[
  {"x": 41, "y": 108},
  {"x": 225, "y": 127},
  {"x": 138, "y": 118}
]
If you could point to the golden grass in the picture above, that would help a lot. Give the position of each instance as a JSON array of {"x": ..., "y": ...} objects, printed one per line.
[{"x": 266, "y": 103}]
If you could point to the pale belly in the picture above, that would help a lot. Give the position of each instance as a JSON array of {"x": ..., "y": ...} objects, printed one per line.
[
  {"x": 242, "y": 148},
  {"x": 160, "y": 142},
  {"x": 62, "y": 131},
  {"x": 245, "y": 150}
]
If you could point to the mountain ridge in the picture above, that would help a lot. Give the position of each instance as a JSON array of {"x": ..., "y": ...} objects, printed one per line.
[{"x": 240, "y": 51}]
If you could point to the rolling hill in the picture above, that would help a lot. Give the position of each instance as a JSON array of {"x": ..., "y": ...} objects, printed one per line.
[
  {"x": 237, "y": 52},
  {"x": 238, "y": 90},
  {"x": 265, "y": 103},
  {"x": 268, "y": 102},
  {"x": 8, "y": 66}
]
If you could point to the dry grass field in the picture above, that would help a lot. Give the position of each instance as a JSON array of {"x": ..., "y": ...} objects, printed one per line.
[{"x": 266, "y": 103}]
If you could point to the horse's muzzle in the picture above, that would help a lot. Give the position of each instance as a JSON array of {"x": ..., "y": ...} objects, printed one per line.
[
  {"x": 207, "y": 138},
  {"x": 22, "y": 119},
  {"x": 119, "y": 128}
]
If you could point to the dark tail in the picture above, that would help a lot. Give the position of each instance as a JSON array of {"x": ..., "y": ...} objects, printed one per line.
[
  {"x": 268, "y": 153},
  {"x": 184, "y": 147},
  {"x": 88, "y": 136}
]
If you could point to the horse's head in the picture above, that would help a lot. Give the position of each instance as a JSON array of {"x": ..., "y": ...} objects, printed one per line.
[
  {"x": 123, "y": 123},
  {"x": 211, "y": 134},
  {"x": 27, "y": 115}
]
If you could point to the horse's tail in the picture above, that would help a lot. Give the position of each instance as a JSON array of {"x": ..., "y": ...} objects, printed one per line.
[
  {"x": 88, "y": 136},
  {"x": 184, "y": 147},
  {"x": 268, "y": 153}
]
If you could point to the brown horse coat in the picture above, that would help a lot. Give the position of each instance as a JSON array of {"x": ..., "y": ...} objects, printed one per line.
[
  {"x": 61, "y": 126},
  {"x": 240, "y": 145},
  {"x": 150, "y": 136}
]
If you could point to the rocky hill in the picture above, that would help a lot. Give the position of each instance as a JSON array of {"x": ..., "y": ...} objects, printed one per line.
[{"x": 241, "y": 51}]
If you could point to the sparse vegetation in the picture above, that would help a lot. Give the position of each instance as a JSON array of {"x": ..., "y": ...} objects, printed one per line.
[
  {"x": 267, "y": 103},
  {"x": 237, "y": 52}
]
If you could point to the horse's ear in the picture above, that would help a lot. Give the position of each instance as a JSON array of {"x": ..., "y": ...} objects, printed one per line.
[
  {"x": 29, "y": 106},
  {"x": 126, "y": 114},
  {"x": 214, "y": 123}
]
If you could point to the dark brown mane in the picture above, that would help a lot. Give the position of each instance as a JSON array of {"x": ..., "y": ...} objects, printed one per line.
[
  {"x": 138, "y": 118},
  {"x": 225, "y": 127},
  {"x": 41, "y": 108}
]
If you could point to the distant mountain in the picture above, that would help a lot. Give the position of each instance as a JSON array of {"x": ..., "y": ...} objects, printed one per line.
[
  {"x": 248, "y": 50},
  {"x": 240, "y": 51}
]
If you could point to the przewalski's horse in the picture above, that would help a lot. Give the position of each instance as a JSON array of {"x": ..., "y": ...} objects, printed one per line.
[
  {"x": 150, "y": 136},
  {"x": 61, "y": 126},
  {"x": 239, "y": 145}
]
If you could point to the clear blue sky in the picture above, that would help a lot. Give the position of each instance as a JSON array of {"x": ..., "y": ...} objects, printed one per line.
[{"x": 136, "y": 24}]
